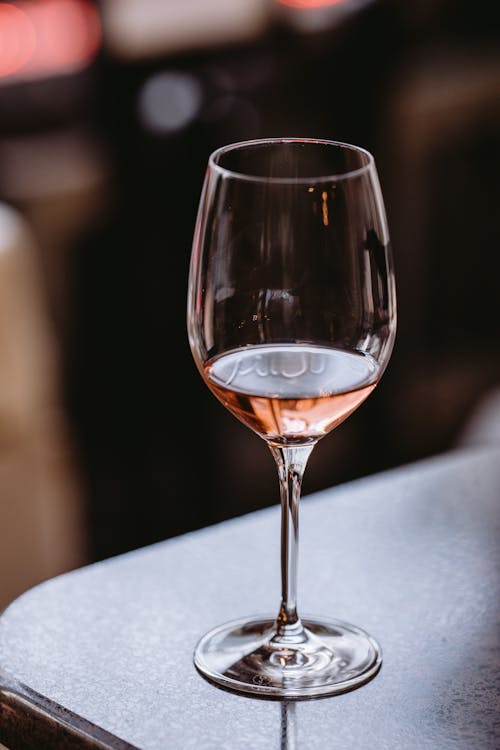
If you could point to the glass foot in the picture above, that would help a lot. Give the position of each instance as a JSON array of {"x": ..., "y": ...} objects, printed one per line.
[{"x": 315, "y": 658}]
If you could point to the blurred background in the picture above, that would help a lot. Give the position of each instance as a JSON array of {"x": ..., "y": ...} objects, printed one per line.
[{"x": 109, "y": 440}]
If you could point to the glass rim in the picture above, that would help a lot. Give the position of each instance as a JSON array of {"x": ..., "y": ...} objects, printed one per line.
[{"x": 307, "y": 180}]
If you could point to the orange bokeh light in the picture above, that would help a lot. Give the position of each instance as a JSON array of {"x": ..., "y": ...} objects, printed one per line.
[
  {"x": 49, "y": 36},
  {"x": 17, "y": 39},
  {"x": 304, "y": 4}
]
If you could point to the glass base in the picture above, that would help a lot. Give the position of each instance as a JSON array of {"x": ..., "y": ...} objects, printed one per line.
[{"x": 314, "y": 658}]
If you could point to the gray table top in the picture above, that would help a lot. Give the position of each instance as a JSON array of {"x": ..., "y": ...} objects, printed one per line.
[{"x": 102, "y": 656}]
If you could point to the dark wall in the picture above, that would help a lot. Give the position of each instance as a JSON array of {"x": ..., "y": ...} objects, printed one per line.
[{"x": 418, "y": 86}]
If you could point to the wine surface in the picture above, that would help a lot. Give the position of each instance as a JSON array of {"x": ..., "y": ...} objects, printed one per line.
[{"x": 291, "y": 393}]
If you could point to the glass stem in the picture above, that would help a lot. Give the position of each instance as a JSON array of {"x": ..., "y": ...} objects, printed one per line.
[{"x": 291, "y": 462}]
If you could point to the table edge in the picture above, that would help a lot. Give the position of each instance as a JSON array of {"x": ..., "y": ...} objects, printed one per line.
[{"x": 29, "y": 721}]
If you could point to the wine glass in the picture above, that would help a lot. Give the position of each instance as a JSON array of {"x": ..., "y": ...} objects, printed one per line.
[{"x": 291, "y": 321}]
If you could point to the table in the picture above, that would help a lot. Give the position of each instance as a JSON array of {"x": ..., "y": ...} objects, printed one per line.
[{"x": 101, "y": 657}]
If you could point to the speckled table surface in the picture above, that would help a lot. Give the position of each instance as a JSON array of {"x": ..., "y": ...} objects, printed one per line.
[{"x": 102, "y": 657}]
